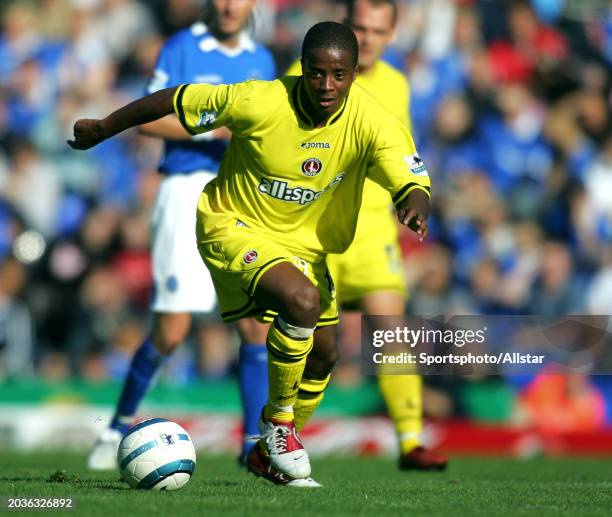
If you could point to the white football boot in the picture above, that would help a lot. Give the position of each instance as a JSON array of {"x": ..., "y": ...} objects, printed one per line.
[
  {"x": 258, "y": 462},
  {"x": 285, "y": 450}
]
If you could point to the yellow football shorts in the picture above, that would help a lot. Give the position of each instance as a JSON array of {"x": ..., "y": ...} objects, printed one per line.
[
  {"x": 238, "y": 259},
  {"x": 372, "y": 263}
]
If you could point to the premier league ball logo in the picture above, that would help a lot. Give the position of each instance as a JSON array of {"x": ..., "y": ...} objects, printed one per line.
[
  {"x": 168, "y": 439},
  {"x": 312, "y": 166}
]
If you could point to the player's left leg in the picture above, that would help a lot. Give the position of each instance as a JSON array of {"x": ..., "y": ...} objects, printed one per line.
[
  {"x": 317, "y": 373},
  {"x": 403, "y": 394}
]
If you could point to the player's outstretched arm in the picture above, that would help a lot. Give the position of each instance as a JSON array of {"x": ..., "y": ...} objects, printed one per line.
[
  {"x": 414, "y": 211},
  {"x": 90, "y": 132}
]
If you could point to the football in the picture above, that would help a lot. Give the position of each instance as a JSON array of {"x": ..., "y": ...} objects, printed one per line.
[{"x": 156, "y": 454}]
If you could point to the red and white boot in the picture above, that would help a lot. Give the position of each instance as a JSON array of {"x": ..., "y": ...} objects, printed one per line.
[
  {"x": 285, "y": 450},
  {"x": 258, "y": 462}
]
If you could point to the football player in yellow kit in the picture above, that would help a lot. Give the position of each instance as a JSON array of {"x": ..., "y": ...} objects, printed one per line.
[
  {"x": 288, "y": 193},
  {"x": 369, "y": 275}
]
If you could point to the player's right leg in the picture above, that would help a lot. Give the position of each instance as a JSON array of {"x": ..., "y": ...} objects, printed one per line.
[
  {"x": 287, "y": 291},
  {"x": 315, "y": 379},
  {"x": 169, "y": 331}
]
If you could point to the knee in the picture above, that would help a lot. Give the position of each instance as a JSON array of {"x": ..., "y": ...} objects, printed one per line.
[{"x": 304, "y": 305}]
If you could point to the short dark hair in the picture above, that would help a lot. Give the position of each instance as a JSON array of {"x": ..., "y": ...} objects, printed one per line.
[
  {"x": 331, "y": 35},
  {"x": 351, "y": 9}
]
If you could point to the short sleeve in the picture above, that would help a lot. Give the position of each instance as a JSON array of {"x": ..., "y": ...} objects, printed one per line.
[
  {"x": 396, "y": 166},
  {"x": 203, "y": 107}
]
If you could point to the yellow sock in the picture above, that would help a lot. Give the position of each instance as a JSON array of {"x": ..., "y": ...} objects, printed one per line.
[
  {"x": 288, "y": 347},
  {"x": 308, "y": 400},
  {"x": 403, "y": 396}
]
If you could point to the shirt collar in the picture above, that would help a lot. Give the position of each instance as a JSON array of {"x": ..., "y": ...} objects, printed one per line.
[
  {"x": 208, "y": 43},
  {"x": 298, "y": 93}
]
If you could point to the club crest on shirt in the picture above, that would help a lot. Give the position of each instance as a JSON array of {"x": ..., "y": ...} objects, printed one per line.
[
  {"x": 207, "y": 119},
  {"x": 416, "y": 165},
  {"x": 312, "y": 166},
  {"x": 249, "y": 257}
]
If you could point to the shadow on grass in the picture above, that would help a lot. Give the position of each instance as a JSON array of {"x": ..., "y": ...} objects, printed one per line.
[
  {"x": 99, "y": 484},
  {"x": 220, "y": 483},
  {"x": 22, "y": 478},
  {"x": 86, "y": 484}
]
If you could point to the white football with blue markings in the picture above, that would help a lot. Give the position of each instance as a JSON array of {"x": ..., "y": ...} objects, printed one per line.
[{"x": 156, "y": 454}]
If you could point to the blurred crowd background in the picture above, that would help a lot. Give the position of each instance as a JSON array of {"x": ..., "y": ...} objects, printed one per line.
[{"x": 511, "y": 111}]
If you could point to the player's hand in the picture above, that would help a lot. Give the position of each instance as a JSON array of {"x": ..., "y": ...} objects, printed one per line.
[
  {"x": 413, "y": 213},
  {"x": 87, "y": 134},
  {"x": 411, "y": 218}
]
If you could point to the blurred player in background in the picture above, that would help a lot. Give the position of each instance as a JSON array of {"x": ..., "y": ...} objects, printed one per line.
[
  {"x": 288, "y": 193},
  {"x": 216, "y": 50},
  {"x": 369, "y": 276}
]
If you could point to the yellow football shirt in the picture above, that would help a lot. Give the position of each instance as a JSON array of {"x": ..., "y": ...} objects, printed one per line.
[
  {"x": 297, "y": 184},
  {"x": 390, "y": 88}
]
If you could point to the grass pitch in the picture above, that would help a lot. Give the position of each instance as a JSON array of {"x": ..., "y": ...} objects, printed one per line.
[{"x": 352, "y": 486}]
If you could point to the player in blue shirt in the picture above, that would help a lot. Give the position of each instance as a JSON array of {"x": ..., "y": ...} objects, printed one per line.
[{"x": 216, "y": 50}]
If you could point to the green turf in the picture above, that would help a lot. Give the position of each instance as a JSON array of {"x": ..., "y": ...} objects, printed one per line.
[{"x": 371, "y": 487}]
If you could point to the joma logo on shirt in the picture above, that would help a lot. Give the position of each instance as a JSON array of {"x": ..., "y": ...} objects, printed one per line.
[
  {"x": 315, "y": 145},
  {"x": 301, "y": 195}
]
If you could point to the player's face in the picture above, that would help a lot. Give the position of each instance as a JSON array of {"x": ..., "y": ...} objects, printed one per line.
[
  {"x": 373, "y": 26},
  {"x": 231, "y": 16},
  {"x": 328, "y": 75}
]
